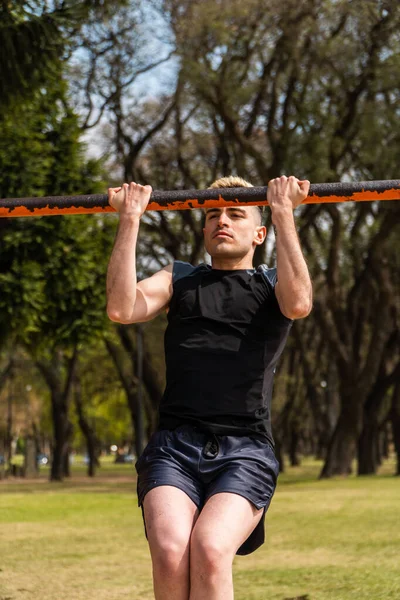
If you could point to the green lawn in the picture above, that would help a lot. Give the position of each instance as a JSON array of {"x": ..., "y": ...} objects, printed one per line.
[{"x": 337, "y": 539}]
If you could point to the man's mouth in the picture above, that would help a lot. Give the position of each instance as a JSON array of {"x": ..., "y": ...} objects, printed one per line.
[{"x": 222, "y": 234}]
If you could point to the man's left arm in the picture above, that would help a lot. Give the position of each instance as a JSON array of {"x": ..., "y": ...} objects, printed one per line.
[{"x": 293, "y": 289}]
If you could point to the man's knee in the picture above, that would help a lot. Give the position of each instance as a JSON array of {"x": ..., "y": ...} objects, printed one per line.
[
  {"x": 208, "y": 554},
  {"x": 170, "y": 556}
]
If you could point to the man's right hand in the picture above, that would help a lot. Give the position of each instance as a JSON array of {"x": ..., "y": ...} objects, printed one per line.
[{"x": 130, "y": 199}]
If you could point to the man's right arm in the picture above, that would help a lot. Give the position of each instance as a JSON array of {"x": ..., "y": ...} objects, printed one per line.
[{"x": 127, "y": 300}]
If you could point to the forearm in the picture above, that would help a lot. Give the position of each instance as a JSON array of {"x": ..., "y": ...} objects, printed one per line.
[
  {"x": 295, "y": 289},
  {"x": 121, "y": 272}
]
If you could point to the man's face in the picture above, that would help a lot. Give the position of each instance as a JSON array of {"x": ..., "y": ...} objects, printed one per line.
[{"x": 232, "y": 232}]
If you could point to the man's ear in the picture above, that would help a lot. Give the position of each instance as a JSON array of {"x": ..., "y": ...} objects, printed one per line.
[{"x": 261, "y": 234}]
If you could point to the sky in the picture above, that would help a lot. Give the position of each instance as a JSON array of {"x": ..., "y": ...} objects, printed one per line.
[{"x": 160, "y": 79}]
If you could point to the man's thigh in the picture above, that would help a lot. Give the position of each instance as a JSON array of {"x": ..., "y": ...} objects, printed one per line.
[
  {"x": 225, "y": 522},
  {"x": 170, "y": 516},
  {"x": 169, "y": 459},
  {"x": 242, "y": 481}
]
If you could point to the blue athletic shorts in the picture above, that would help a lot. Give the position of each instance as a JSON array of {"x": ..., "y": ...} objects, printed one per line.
[{"x": 202, "y": 464}]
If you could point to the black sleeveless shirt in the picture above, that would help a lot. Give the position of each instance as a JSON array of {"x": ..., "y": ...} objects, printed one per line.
[{"x": 224, "y": 337}]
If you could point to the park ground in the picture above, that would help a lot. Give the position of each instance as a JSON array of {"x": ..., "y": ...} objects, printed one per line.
[{"x": 84, "y": 540}]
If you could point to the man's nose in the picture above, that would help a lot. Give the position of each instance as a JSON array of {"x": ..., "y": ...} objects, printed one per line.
[{"x": 222, "y": 219}]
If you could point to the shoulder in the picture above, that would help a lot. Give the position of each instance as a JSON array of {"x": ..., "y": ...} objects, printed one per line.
[
  {"x": 269, "y": 275},
  {"x": 183, "y": 269}
]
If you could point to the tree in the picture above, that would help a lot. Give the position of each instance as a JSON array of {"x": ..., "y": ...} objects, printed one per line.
[
  {"x": 52, "y": 269},
  {"x": 140, "y": 377},
  {"x": 303, "y": 88},
  {"x": 310, "y": 88},
  {"x": 35, "y": 38}
]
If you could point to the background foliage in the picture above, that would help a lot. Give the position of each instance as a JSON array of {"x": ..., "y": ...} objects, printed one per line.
[{"x": 176, "y": 93}]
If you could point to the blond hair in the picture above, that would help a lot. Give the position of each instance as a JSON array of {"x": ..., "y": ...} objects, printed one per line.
[{"x": 231, "y": 182}]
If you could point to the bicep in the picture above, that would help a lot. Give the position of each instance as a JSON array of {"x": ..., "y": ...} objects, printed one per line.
[{"x": 153, "y": 295}]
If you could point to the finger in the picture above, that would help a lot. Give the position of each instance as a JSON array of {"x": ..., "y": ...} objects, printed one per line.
[
  {"x": 273, "y": 184},
  {"x": 270, "y": 189},
  {"x": 304, "y": 186},
  {"x": 143, "y": 188},
  {"x": 111, "y": 193},
  {"x": 283, "y": 183},
  {"x": 140, "y": 188}
]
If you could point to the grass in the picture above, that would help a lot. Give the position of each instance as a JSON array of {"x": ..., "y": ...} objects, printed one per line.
[{"x": 82, "y": 539}]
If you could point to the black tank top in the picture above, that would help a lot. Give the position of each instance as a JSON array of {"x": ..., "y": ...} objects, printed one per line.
[{"x": 224, "y": 336}]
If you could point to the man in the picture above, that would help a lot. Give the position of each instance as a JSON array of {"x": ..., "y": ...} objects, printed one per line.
[{"x": 208, "y": 474}]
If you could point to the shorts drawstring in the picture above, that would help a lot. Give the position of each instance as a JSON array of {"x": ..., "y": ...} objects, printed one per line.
[{"x": 211, "y": 449}]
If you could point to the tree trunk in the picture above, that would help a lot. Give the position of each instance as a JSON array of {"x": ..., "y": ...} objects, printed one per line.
[
  {"x": 323, "y": 402},
  {"x": 343, "y": 444},
  {"x": 141, "y": 374},
  {"x": 154, "y": 389},
  {"x": 129, "y": 383},
  {"x": 9, "y": 434},
  {"x": 279, "y": 454},
  {"x": 59, "y": 410},
  {"x": 368, "y": 447},
  {"x": 7, "y": 440},
  {"x": 385, "y": 441},
  {"x": 395, "y": 418},
  {"x": 294, "y": 446},
  {"x": 30, "y": 458},
  {"x": 151, "y": 377},
  {"x": 139, "y": 425},
  {"x": 36, "y": 437},
  {"x": 137, "y": 421},
  {"x": 67, "y": 453},
  {"x": 92, "y": 443},
  {"x": 60, "y": 401}
]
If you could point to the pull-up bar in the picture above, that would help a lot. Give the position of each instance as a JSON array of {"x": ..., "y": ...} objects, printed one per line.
[{"x": 187, "y": 199}]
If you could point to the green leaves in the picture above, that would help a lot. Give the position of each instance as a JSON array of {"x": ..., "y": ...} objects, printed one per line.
[
  {"x": 52, "y": 271},
  {"x": 31, "y": 50},
  {"x": 34, "y": 40}
]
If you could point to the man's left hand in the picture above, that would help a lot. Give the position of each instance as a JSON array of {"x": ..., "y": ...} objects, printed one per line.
[{"x": 287, "y": 192}]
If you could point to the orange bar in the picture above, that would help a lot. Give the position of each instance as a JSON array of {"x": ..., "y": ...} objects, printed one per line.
[{"x": 366, "y": 191}]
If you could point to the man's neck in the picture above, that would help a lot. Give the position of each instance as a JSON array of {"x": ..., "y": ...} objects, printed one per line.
[{"x": 231, "y": 264}]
